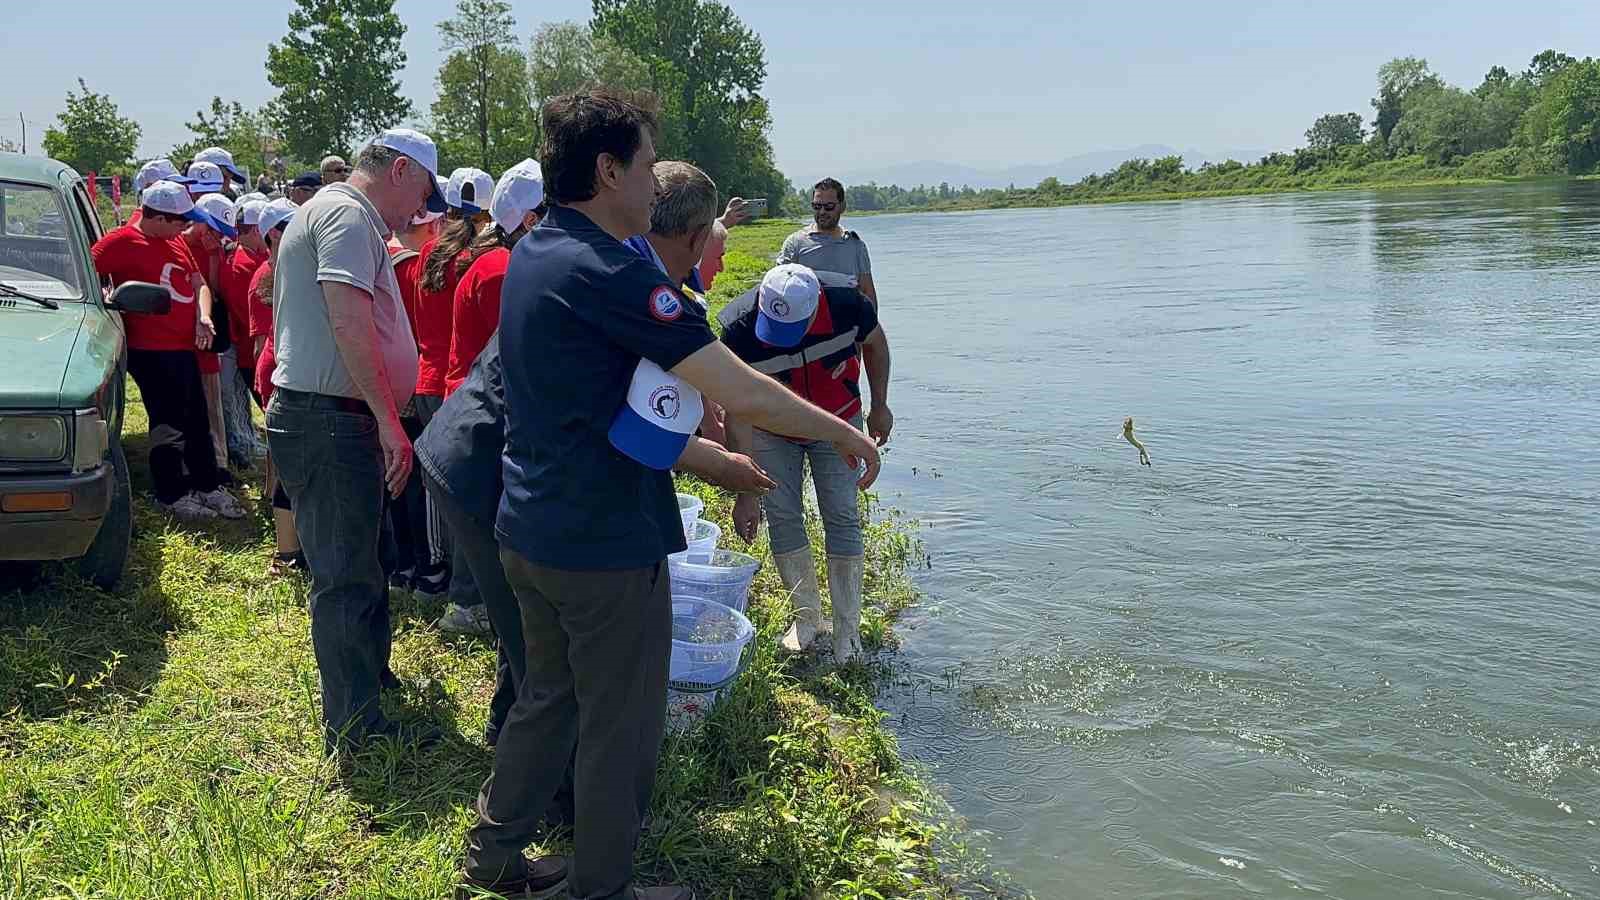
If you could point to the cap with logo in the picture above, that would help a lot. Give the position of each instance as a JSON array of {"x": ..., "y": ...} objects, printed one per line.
[
  {"x": 277, "y": 213},
  {"x": 419, "y": 147},
  {"x": 660, "y": 415},
  {"x": 205, "y": 177},
  {"x": 468, "y": 190},
  {"x": 157, "y": 170},
  {"x": 248, "y": 212},
  {"x": 220, "y": 158},
  {"x": 785, "y": 303},
  {"x": 519, "y": 192},
  {"x": 219, "y": 213},
  {"x": 173, "y": 199}
]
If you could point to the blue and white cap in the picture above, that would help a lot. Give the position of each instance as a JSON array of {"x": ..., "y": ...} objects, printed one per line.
[
  {"x": 206, "y": 177},
  {"x": 518, "y": 192},
  {"x": 220, "y": 158},
  {"x": 219, "y": 213},
  {"x": 277, "y": 212},
  {"x": 785, "y": 304},
  {"x": 420, "y": 148},
  {"x": 157, "y": 170},
  {"x": 173, "y": 199},
  {"x": 661, "y": 414},
  {"x": 248, "y": 212},
  {"x": 482, "y": 184}
]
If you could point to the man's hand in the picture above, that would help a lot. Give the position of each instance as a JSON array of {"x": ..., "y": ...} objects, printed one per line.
[
  {"x": 747, "y": 517},
  {"x": 204, "y": 333},
  {"x": 740, "y": 474},
  {"x": 738, "y": 210},
  {"x": 857, "y": 448},
  {"x": 879, "y": 423},
  {"x": 396, "y": 455}
]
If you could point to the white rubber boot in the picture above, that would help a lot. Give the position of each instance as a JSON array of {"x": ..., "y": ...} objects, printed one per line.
[
  {"x": 844, "y": 588},
  {"x": 798, "y": 571}
]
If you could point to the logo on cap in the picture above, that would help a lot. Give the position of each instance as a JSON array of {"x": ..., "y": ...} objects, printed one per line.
[
  {"x": 780, "y": 308},
  {"x": 665, "y": 304},
  {"x": 664, "y": 402}
]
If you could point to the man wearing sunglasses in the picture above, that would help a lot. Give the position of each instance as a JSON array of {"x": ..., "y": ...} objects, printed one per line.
[{"x": 826, "y": 248}]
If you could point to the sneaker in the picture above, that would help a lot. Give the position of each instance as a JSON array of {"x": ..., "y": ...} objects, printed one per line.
[
  {"x": 472, "y": 620},
  {"x": 431, "y": 584},
  {"x": 189, "y": 508},
  {"x": 223, "y": 502},
  {"x": 402, "y": 580},
  {"x": 547, "y": 877}
]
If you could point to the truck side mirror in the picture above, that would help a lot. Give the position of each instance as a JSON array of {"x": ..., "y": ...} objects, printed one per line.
[{"x": 140, "y": 297}]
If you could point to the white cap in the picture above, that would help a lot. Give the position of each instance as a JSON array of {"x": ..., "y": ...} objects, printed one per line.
[
  {"x": 785, "y": 303},
  {"x": 253, "y": 195},
  {"x": 220, "y": 214},
  {"x": 419, "y": 147},
  {"x": 171, "y": 198},
  {"x": 482, "y": 187},
  {"x": 277, "y": 212},
  {"x": 424, "y": 218},
  {"x": 207, "y": 177},
  {"x": 520, "y": 191},
  {"x": 153, "y": 171},
  {"x": 221, "y": 158},
  {"x": 248, "y": 212}
]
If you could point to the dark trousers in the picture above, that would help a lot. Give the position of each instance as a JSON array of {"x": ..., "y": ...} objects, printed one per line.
[
  {"x": 598, "y": 646},
  {"x": 473, "y": 543},
  {"x": 180, "y": 431},
  {"x": 408, "y": 517},
  {"x": 331, "y": 465}
]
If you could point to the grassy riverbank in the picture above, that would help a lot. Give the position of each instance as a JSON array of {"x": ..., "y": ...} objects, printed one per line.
[{"x": 163, "y": 741}]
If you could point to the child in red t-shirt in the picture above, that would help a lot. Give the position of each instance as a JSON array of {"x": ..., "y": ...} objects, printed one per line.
[
  {"x": 274, "y": 219},
  {"x": 161, "y": 352},
  {"x": 204, "y": 239},
  {"x": 517, "y": 206}
]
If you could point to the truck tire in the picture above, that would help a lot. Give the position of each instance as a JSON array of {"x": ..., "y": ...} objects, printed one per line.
[{"x": 109, "y": 553}]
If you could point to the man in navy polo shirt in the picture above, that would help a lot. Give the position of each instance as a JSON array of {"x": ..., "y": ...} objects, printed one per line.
[{"x": 584, "y": 527}]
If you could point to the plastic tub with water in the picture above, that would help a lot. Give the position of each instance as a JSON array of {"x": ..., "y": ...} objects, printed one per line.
[
  {"x": 702, "y": 538},
  {"x": 724, "y": 578},
  {"x": 707, "y": 640},
  {"x": 689, "y": 508}
]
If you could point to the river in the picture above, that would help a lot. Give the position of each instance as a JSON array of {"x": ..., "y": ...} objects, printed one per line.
[{"x": 1342, "y": 638}]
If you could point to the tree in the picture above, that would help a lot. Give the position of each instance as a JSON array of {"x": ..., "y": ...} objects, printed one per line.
[
  {"x": 1546, "y": 66},
  {"x": 509, "y": 132},
  {"x": 707, "y": 67},
  {"x": 567, "y": 56},
  {"x": 1398, "y": 79},
  {"x": 93, "y": 137},
  {"x": 335, "y": 71},
  {"x": 244, "y": 133},
  {"x": 1564, "y": 125},
  {"x": 481, "y": 30},
  {"x": 1335, "y": 130},
  {"x": 1442, "y": 123}
]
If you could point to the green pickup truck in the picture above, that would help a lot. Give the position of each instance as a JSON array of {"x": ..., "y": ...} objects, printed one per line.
[{"x": 64, "y": 491}]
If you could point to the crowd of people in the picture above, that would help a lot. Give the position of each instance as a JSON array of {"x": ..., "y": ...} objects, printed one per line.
[{"x": 478, "y": 388}]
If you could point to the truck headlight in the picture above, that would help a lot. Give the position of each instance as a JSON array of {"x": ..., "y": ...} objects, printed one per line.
[
  {"x": 32, "y": 438},
  {"x": 90, "y": 440}
]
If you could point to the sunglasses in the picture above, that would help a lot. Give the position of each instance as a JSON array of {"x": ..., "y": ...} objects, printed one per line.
[{"x": 825, "y": 207}]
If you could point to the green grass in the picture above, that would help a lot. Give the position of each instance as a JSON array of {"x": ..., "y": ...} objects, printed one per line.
[{"x": 164, "y": 741}]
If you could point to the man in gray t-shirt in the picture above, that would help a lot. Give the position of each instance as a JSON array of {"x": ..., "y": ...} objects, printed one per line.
[
  {"x": 346, "y": 364},
  {"x": 825, "y": 247}
]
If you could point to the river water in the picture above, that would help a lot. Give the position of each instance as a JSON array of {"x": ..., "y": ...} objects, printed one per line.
[{"x": 1342, "y": 638}]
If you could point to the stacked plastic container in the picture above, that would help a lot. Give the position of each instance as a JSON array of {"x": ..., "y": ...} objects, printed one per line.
[{"x": 710, "y": 588}]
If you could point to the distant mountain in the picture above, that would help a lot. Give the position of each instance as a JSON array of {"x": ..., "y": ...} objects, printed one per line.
[{"x": 1068, "y": 170}]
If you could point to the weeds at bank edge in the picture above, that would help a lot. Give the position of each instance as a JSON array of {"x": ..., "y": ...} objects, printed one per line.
[{"x": 164, "y": 741}]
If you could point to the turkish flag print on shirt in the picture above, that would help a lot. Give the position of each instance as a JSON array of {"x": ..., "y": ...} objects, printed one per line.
[{"x": 128, "y": 254}]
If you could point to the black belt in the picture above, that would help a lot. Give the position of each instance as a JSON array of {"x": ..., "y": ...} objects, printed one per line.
[{"x": 329, "y": 401}]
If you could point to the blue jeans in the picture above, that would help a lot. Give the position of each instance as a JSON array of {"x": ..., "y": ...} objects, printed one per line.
[
  {"x": 837, "y": 498},
  {"x": 331, "y": 465}
]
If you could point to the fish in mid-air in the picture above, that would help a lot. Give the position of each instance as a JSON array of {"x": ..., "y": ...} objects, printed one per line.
[{"x": 1127, "y": 435}]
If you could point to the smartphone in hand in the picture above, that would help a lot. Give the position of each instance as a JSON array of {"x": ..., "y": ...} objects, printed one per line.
[{"x": 757, "y": 209}]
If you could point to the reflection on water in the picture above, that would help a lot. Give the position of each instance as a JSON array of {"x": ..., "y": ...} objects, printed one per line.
[{"x": 1341, "y": 638}]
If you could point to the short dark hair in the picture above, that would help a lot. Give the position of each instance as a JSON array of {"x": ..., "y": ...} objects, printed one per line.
[
  {"x": 373, "y": 159},
  {"x": 830, "y": 184},
  {"x": 579, "y": 127}
]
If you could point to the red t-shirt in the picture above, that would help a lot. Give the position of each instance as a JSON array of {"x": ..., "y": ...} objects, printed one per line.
[
  {"x": 261, "y": 326},
  {"x": 237, "y": 273},
  {"x": 128, "y": 254},
  {"x": 408, "y": 272},
  {"x": 477, "y": 313},
  {"x": 210, "y": 263},
  {"x": 432, "y": 325}
]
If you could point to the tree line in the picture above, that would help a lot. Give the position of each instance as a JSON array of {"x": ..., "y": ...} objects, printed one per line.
[
  {"x": 1543, "y": 120},
  {"x": 336, "y": 74}
]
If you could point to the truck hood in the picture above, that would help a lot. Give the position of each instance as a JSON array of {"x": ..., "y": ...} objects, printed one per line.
[{"x": 35, "y": 349}]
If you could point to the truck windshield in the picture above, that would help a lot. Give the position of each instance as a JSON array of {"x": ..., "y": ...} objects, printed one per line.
[{"x": 36, "y": 253}]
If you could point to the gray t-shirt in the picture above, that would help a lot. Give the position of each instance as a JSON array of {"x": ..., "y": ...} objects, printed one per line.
[
  {"x": 336, "y": 236},
  {"x": 846, "y": 254}
]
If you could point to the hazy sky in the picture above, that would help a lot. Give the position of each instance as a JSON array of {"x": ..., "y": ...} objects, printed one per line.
[{"x": 855, "y": 86}]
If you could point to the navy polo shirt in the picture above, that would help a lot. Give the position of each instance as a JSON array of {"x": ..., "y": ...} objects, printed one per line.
[
  {"x": 462, "y": 444},
  {"x": 578, "y": 312}
]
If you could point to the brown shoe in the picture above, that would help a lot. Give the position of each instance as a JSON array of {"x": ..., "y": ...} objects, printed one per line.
[{"x": 547, "y": 877}]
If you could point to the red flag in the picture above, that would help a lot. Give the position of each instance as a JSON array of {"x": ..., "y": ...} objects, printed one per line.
[
  {"x": 116, "y": 192},
  {"x": 93, "y": 194}
]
